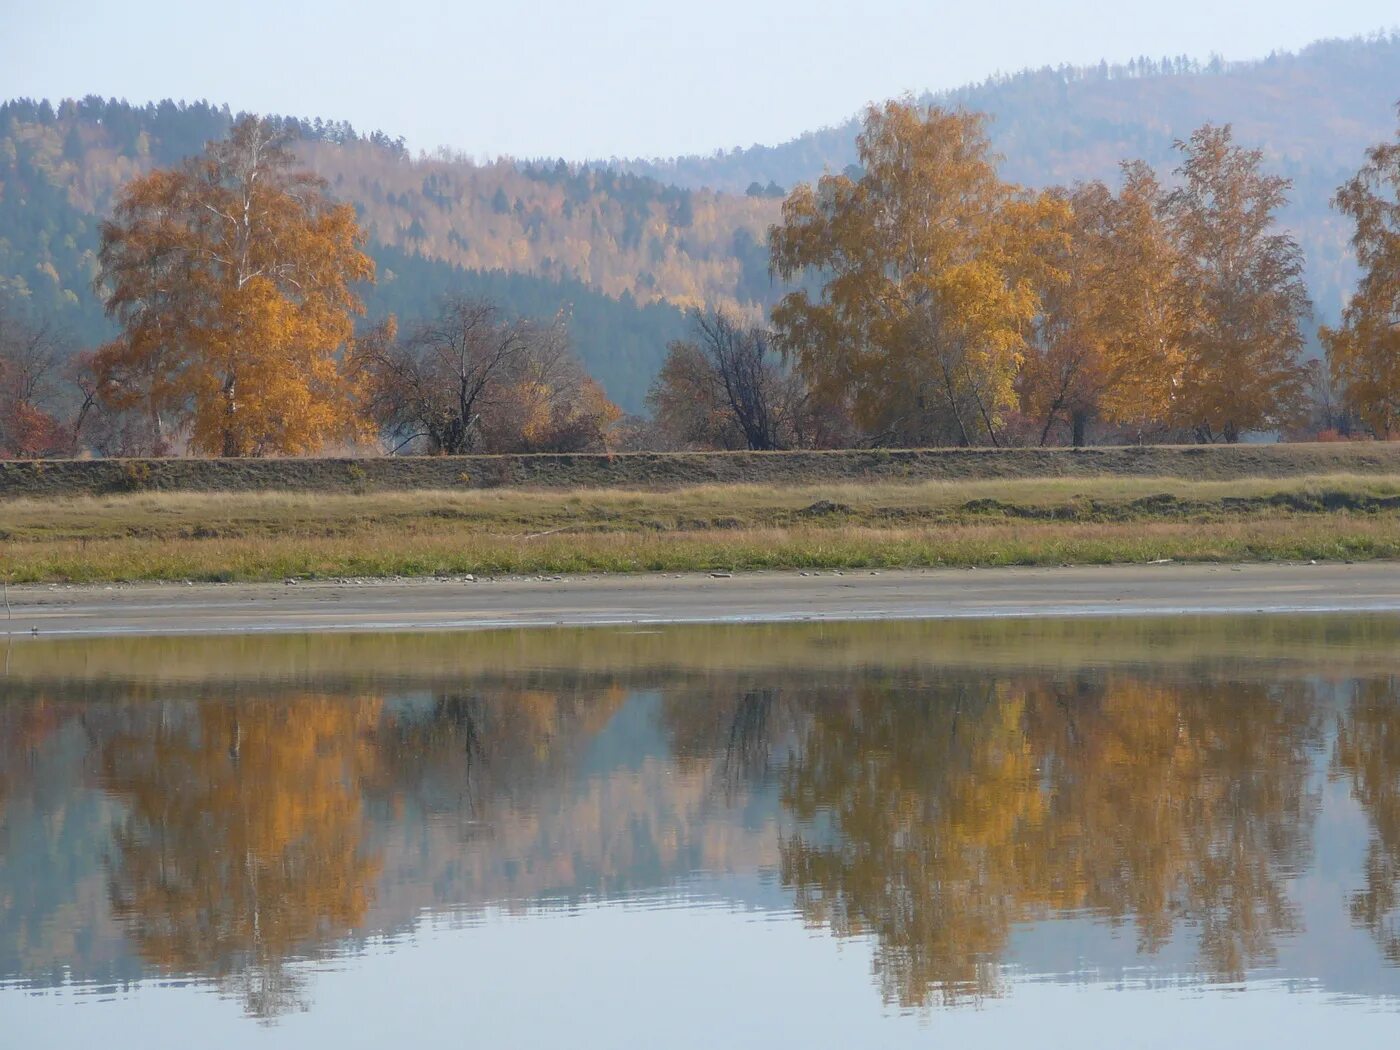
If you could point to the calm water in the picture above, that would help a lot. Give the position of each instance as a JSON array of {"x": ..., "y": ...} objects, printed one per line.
[{"x": 1142, "y": 833}]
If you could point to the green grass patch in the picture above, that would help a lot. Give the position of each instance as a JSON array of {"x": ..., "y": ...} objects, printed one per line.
[{"x": 262, "y": 536}]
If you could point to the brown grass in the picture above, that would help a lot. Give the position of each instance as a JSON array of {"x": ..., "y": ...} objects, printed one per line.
[{"x": 879, "y": 525}]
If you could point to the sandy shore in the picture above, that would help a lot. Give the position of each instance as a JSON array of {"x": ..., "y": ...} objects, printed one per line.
[{"x": 853, "y": 595}]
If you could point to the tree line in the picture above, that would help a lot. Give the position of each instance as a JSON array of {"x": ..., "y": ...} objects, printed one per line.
[
  {"x": 234, "y": 280},
  {"x": 932, "y": 302},
  {"x": 943, "y": 305}
]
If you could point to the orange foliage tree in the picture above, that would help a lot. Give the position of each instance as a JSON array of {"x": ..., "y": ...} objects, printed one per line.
[
  {"x": 242, "y": 844},
  {"x": 1242, "y": 292},
  {"x": 928, "y": 261},
  {"x": 232, "y": 278},
  {"x": 1364, "y": 353},
  {"x": 1367, "y": 755},
  {"x": 938, "y": 816},
  {"x": 1105, "y": 344}
]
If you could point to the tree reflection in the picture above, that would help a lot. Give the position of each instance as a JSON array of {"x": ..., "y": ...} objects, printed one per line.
[
  {"x": 932, "y": 811},
  {"x": 937, "y": 815},
  {"x": 469, "y": 749},
  {"x": 245, "y": 844},
  {"x": 731, "y": 726},
  {"x": 1368, "y": 753},
  {"x": 242, "y": 844}
]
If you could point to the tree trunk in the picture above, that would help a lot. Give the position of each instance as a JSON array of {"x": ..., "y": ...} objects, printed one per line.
[
  {"x": 230, "y": 442},
  {"x": 1079, "y": 423}
]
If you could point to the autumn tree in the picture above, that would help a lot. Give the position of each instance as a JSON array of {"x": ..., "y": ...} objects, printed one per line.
[
  {"x": 29, "y": 373},
  {"x": 726, "y": 387},
  {"x": 1104, "y": 344},
  {"x": 554, "y": 407},
  {"x": 1363, "y": 354},
  {"x": 924, "y": 793},
  {"x": 1242, "y": 292},
  {"x": 928, "y": 267},
  {"x": 232, "y": 278},
  {"x": 472, "y": 378}
]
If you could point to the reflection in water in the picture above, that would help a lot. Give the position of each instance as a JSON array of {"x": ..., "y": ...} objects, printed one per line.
[
  {"x": 961, "y": 808},
  {"x": 241, "y": 848},
  {"x": 235, "y": 829},
  {"x": 1368, "y": 755}
]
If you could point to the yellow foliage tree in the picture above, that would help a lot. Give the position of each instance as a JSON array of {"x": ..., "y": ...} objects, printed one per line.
[
  {"x": 232, "y": 277},
  {"x": 929, "y": 264},
  {"x": 1242, "y": 292},
  {"x": 1105, "y": 344},
  {"x": 1364, "y": 353}
]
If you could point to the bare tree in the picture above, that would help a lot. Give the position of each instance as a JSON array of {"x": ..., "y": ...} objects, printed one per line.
[
  {"x": 745, "y": 363},
  {"x": 473, "y": 379},
  {"x": 687, "y": 403},
  {"x": 433, "y": 386},
  {"x": 728, "y": 388},
  {"x": 30, "y": 358},
  {"x": 99, "y": 426}
]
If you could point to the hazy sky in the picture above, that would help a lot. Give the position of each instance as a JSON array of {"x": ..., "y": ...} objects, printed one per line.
[{"x": 592, "y": 80}]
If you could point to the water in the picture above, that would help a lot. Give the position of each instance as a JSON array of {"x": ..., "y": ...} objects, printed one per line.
[{"x": 1143, "y": 833}]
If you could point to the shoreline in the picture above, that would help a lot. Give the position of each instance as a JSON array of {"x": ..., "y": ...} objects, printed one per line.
[{"x": 56, "y": 610}]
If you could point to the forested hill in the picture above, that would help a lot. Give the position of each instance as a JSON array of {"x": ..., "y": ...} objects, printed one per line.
[
  {"x": 624, "y": 247},
  {"x": 1313, "y": 113},
  {"x": 620, "y": 254}
]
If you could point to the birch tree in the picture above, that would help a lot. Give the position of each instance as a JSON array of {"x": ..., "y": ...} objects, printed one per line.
[
  {"x": 1364, "y": 353},
  {"x": 1242, "y": 295},
  {"x": 233, "y": 277},
  {"x": 1106, "y": 343},
  {"x": 928, "y": 263}
]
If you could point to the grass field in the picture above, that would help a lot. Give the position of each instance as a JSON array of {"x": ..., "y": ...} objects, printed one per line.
[{"x": 257, "y": 536}]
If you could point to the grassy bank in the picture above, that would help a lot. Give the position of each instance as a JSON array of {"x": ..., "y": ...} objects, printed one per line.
[{"x": 258, "y": 536}]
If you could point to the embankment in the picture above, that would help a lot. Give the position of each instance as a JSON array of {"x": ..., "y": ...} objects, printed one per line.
[{"x": 56, "y": 478}]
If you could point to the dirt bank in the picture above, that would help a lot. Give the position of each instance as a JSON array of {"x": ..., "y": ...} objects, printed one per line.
[{"x": 671, "y": 470}]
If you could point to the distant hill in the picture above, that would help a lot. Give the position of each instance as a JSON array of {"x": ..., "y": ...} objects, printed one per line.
[
  {"x": 620, "y": 254},
  {"x": 624, "y": 247},
  {"x": 1313, "y": 113},
  {"x": 621, "y": 341}
]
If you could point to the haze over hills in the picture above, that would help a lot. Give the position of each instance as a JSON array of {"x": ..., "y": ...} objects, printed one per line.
[
  {"x": 624, "y": 246},
  {"x": 1313, "y": 114}
]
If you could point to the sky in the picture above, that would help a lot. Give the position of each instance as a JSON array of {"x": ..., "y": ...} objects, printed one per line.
[{"x": 629, "y": 78}]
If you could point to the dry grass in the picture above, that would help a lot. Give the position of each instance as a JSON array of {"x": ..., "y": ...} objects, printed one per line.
[
  {"x": 251, "y": 536},
  {"x": 173, "y": 515}
]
